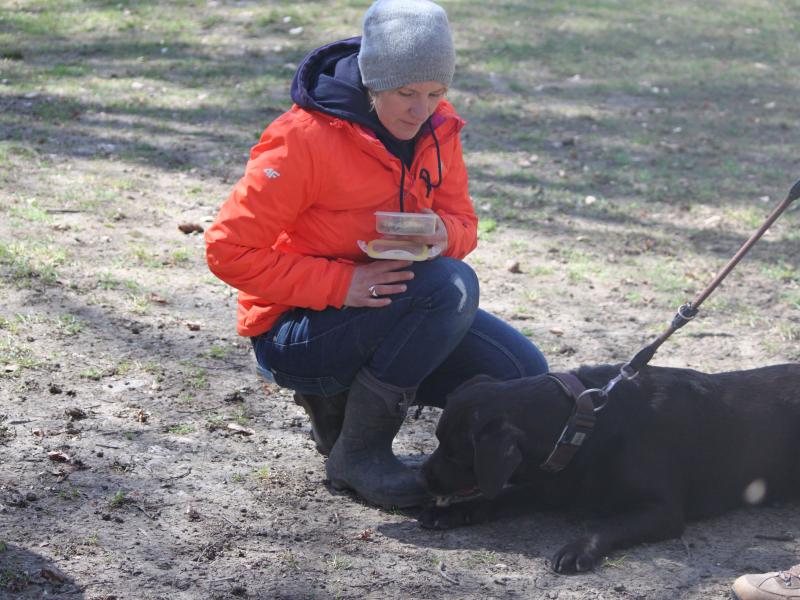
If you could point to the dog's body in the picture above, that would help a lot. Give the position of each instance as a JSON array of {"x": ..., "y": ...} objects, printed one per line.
[{"x": 671, "y": 445}]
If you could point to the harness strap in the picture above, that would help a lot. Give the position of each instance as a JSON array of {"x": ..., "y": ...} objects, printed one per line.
[{"x": 579, "y": 425}]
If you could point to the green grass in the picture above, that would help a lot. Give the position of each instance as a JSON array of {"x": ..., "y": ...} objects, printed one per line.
[
  {"x": 263, "y": 473},
  {"x": 181, "y": 429},
  {"x": 26, "y": 262},
  {"x": 119, "y": 498}
]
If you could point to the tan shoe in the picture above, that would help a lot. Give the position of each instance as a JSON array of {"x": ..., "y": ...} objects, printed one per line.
[{"x": 783, "y": 585}]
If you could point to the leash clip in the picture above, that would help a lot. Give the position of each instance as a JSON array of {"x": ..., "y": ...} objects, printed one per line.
[{"x": 601, "y": 393}]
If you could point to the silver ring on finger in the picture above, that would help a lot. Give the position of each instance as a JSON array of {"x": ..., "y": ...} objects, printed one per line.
[{"x": 372, "y": 291}]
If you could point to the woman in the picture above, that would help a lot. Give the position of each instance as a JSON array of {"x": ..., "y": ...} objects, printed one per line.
[{"x": 359, "y": 340}]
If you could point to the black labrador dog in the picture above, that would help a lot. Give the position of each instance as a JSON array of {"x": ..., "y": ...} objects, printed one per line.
[{"x": 670, "y": 445}]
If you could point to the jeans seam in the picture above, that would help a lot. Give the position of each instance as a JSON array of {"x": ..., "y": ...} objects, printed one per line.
[{"x": 322, "y": 335}]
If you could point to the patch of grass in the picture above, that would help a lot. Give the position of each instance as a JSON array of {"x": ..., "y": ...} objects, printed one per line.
[
  {"x": 339, "y": 563},
  {"x": 482, "y": 557},
  {"x": 119, "y": 498},
  {"x": 146, "y": 257},
  {"x": 181, "y": 257},
  {"x": 13, "y": 353},
  {"x": 10, "y": 152},
  {"x": 289, "y": 559},
  {"x": 68, "y": 493},
  {"x": 70, "y": 325},
  {"x": 14, "y": 581},
  {"x": 540, "y": 270},
  {"x": 486, "y": 227},
  {"x": 242, "y": 418},
  {"x": 138, "y": 304},
  {"x": 31, "y": 212},
  {"x": 215, "y": 422},
  {"x": 782, "y": 271},
  {"x": 262, "y": 473},
  {"x": 27, "y": 262},
  {"x": 181, "y": 429},
  {"x": 198, "y": 379},
  {"x": 614, "y": 563},
  {"x": 107, "y": 281},
  {"x": 92, "y": 373},
  {"x": 218, "y": 352}
]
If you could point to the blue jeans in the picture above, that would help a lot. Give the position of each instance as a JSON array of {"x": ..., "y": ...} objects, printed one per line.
[{"x": 433, "y": 336}]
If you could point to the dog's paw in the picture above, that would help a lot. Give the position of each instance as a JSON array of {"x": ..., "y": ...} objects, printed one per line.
[
  {"x": 455, "y": 515},
  {"x": 576, "y": 557}
]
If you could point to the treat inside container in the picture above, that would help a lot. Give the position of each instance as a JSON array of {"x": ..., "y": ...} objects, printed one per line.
[
  {"x": 404, "y": 223},
  {"x": 398, "y": 250}
]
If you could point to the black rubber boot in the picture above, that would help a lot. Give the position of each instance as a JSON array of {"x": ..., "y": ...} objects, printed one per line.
[
  {"x": 362, "y": 458},
  {"x": 326, "y": 415}
]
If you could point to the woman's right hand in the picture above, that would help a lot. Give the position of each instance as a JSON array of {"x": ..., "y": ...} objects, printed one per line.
[{"x": 382, "y": 276}]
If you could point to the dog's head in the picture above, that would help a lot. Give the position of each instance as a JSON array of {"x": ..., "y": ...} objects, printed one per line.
[{"x": 486, "y": 431}]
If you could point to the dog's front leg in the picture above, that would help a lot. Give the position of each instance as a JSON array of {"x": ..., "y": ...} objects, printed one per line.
[{"x": 650, "y": 523}]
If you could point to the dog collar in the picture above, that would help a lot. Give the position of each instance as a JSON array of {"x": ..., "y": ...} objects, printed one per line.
[{"x": 579, "y": 425}]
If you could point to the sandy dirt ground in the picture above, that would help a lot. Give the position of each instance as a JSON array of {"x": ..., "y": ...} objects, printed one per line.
[{"x": 142, "y": 458}]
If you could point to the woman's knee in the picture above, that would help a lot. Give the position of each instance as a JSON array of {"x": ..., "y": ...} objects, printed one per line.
[{"x": 449, "y": 283}]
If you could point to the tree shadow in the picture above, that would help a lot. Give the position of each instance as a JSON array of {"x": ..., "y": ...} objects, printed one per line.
[{"x": 26, "y": 574}]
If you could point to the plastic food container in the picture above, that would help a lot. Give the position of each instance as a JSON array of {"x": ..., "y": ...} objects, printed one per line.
[
  {"x": 403, "y": 223},
  {"x": 398, "y": 250}
]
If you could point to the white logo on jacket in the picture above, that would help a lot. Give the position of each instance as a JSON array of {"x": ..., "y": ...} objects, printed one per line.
[{"x": 271, "y": 173}]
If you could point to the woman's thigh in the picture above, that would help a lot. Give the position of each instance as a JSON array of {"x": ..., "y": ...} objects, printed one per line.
[{"x": 320, "y": 352}]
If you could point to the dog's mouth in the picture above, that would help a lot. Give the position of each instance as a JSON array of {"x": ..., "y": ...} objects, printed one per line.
[{"x": 460, "y": 496}]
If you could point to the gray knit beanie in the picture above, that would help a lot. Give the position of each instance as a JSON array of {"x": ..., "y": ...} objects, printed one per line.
[{"x": 405, "y": 41}]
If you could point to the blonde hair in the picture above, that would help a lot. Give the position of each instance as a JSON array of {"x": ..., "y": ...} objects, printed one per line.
[{"x": 372, "y": 95}]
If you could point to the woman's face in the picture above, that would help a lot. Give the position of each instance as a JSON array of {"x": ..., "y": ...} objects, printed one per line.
[{"x": 403, "y": 110}]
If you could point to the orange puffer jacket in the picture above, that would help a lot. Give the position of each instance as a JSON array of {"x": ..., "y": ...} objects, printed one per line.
[{"x": 286, "y": 237}]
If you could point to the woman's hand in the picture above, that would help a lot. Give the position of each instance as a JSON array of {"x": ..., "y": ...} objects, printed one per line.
[
  {"x": 437, "y": 239},
  {"x": 383, "y": 277}
]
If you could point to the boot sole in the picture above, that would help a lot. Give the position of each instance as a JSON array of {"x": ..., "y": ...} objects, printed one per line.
[{"x": 342, "y": 485}]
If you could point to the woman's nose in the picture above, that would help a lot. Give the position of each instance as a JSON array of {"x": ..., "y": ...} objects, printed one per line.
[{"x": 419, "y": 110}]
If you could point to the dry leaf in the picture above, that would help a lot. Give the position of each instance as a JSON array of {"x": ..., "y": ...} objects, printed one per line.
[
  {"x": 188, "y": 228},
  {"x": 52, "y": 575},
  {"x": 236, "y": 428},
  {"x": 75, "y": 413},
  {"x": 58, "y": 456}
]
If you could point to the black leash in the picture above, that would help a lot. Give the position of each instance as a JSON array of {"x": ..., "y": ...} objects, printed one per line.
[{"x": 581, "y": 421}]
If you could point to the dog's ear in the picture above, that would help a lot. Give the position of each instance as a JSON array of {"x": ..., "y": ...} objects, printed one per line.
[{"x": 497, "y": 455}]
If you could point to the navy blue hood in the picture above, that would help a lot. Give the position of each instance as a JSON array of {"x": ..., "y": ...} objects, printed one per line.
[{"x": 329, "y": 80}]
